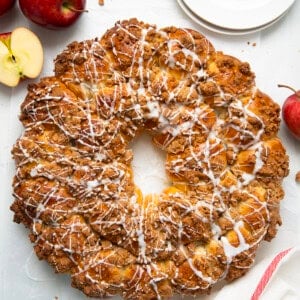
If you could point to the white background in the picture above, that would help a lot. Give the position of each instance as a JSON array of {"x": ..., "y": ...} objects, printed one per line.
[{"x": 274, "y": 55}]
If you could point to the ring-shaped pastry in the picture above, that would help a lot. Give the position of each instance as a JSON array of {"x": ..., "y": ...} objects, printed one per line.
[{"x": 74, "y": 187}]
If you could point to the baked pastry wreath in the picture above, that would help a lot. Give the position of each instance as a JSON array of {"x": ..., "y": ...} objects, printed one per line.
[{"x": 74, "y": 187}]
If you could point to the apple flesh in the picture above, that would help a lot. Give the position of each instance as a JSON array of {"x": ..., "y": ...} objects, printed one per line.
[
  {"x": 21, "y": 55},
  {"x": 291, "y": 111},
  {"x": 53, "y": 14},
  {"x": 6, "y": 5}
]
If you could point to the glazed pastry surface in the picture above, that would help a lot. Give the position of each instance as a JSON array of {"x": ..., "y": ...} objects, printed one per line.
[{"x": 74, "y": 185}]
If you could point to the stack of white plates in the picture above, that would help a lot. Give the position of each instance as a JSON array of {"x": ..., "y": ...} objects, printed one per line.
[{"x": 235, "y": 17}]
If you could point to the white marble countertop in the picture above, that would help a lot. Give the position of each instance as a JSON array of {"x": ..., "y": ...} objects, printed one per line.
[{"x": 274, "y": 55}]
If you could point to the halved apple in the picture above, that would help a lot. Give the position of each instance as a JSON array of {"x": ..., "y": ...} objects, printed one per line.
[{"x": 21, "y": 55}]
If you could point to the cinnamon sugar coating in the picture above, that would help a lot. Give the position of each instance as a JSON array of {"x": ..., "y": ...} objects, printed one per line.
[{"x": 74, "y": 187}]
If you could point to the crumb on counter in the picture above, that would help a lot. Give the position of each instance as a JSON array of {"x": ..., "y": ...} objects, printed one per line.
[
  {"x": 252, "y": 44},
  {"x": 101, "y": 2},
  {"x": 297, "y": 178}
]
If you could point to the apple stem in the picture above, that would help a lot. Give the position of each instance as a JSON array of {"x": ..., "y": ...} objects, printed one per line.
[
  {"x": 297, "y": 93},
  {"x": 73, "y": 8},
  {"x": 78, "y": 10},
  {"x": 288, "y": 87}
]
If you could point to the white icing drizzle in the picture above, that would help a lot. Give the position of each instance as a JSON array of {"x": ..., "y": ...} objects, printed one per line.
[
  {"x": 87, "y": 197},
  {"x": 231, "y": 251}
]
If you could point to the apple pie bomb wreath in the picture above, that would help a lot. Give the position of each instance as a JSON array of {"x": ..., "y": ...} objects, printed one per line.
[{"x": 74, "y": 185}]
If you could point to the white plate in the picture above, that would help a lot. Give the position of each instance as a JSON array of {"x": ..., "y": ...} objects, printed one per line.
[
  {"x": 238, "y": 14},
  {"x": 222, "y": 30}
]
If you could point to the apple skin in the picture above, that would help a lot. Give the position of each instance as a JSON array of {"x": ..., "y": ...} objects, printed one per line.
[
  {"x": 6, "y": 5},
  {"x": 5, "y": 38},
  {"x": 291, "y": 113},
  {"x": 52, "y": 14}
]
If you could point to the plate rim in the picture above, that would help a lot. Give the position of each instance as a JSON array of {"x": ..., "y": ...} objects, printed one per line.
[
  {"x": 230, "y": 20},
  {"x": 225, "y": 31}
]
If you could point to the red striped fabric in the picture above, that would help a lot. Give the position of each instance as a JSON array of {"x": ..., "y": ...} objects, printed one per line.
[{"x": 268, "y": 274}]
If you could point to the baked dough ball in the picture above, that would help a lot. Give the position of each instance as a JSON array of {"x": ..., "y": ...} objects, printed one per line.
[{"x": 74, "y": 186}]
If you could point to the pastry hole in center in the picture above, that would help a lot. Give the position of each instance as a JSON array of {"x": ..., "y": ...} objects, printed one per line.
[{"x": 149, "y": 166}]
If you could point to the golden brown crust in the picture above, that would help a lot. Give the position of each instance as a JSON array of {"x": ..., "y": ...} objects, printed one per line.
[{"x": 74, "y": 186}]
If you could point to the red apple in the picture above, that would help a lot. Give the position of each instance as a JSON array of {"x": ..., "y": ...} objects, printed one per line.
[
  {"x": 5, "y": 5},
  {"x": 291, "y": 111},
  {"x": 53, "y": 13}
]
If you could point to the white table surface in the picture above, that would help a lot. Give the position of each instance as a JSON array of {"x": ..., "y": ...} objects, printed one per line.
[{"x": 274, "y": 55}]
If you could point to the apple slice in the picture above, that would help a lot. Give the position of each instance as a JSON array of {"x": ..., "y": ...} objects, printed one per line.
[{"x": 21, "y": 55}]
